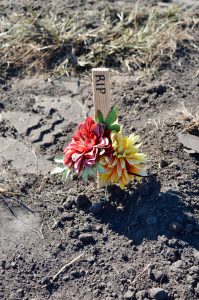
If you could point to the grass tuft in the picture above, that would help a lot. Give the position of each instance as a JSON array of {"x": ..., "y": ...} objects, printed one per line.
[{"x": 66, "y": 44}]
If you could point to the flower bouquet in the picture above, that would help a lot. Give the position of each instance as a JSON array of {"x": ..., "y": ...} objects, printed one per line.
[{"x": 100, "y": 147}]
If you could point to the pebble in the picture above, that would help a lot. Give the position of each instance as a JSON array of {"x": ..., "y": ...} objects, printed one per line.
[
  {"x": 56, "y": 225},
  {"x": 82, "y": 200},
  {"x": 87, "y": 228},
  {"x": 129, "y": 295},
  {"x": 75, "y": 274},
  {"x": 197, "y": 288},
  {"x": 175, "y": 227},
  {"x": 45, "y": 280},
  {"x": 66, "y": 217},
  {"x": 96, "y": 292},
  {"x": 13, "y": 265},
  {"x": 91, "y": 259},
  {"x": 190, "y": 280},
  {"x": 158, "y": 276},
  {"x": 69, "y": 203},
  {"x": 86, "y": 238},
  {"x": 73, "y": 233},
  {"x": 163, "y": 163},
  {"x": 158, "y": 294},
  {"x": 101, "y": 285},
  {"x": 173, "y": 243},
  {"x": 96, "y": 208},
  {"x": 66, "y": 278},
  {"x": 140, "y": 295},
  {"x": 176, "y": 265},
  {"x": 20, "y": 292},
  {"x": 194, "y": 269},
  {"x": 196, "y": 254},
  {"x": 99, "y": 228}
]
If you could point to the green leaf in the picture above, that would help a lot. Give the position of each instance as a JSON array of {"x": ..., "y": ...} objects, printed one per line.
[
  {"x": 88, "y": 172},
  {"x": 57, "y": 170},
  {"x": 115, "y": 127},
  {"x": 99, "y": 168},
  {"x": 65, "y": 174},
  {"x": 112, "y": 116},
  {"x": 100, "y": 118},
  {"x": 59, "y": 160}
]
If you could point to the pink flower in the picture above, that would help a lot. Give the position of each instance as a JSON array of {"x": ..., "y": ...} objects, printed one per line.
[{"x": 87, "y": 144}]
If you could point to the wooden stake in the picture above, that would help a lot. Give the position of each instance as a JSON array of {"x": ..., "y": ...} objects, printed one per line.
[
  {"x": 101, "y": 90},
  {"x": 101, "y": 95}
]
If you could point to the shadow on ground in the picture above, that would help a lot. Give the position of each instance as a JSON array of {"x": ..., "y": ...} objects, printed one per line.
[{"x": 148, "y": 213}]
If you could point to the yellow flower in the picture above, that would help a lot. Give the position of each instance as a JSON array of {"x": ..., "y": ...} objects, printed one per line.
[{"x": 125, "y": 162}]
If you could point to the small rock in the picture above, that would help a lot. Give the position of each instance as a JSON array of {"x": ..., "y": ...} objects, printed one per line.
[
  {"x": 194, "y": 270},
  {"x": 196, "y": 254},
  {"x": 12, "y": 296},
  {"x": 75, "y": 274},
  {"x": 87, "y": 228},
  {"x": 13, "y": 265},
  {"x": 125, "y": 257},
  {"x": 73, "y": 233},
  {"x": 140, "y": 295},
  {"x": 158, "y": 294},
  {"x": 163, "y": 239},
  {"x": 82, "y": 200},
  {"x": 151, "y": 221},
  {"x": 173, "y": 243},
  {"x": 189, "y": 228},
  {"x": 86, "y": 238},
  {"x": 101, "y": 285},
  {"x": 91, "y": 259},
  {"x": 45, "y": 280},
  {"x": 82, "y": 272},
  {"x": 175, "y": 227},
  {"x": 96, "y": 292},
  {"x": 129, "y": 295},
  {"x": 56, "y": 225},
  {"x": 69, "y": 203},
  {"x": 158, "y": 276},
  {"x": 96, "y": 208},
  {"x": 20, "y": 293},
  {"x": 176, "y": 265},
  {"x": 197, "y": 288},
  {"x": 99, "y": 228},
  {"x": 66, "y": 217},
  {"x": 163, "y": 163},
  {"x": 60, "y": 208},
  {"x": 66, "y": 278},
  {"x": 190, "y": 280}
]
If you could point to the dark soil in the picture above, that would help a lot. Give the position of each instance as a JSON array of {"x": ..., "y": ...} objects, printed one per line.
[{"x": 143, "y": 243}]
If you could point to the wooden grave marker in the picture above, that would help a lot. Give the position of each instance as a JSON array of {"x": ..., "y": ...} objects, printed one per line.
[{"x": 101, "y": 95}]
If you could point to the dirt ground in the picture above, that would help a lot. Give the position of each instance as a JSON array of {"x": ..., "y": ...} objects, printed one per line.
[{"x": 144, "y": 241}]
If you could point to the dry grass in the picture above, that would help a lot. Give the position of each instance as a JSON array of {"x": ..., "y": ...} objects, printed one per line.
[
  {"x": 188, "y": 120},
  {"x": 129, "y": 39}
]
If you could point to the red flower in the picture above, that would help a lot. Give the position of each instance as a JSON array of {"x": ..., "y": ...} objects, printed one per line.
[{"x": 86, "y": 145}]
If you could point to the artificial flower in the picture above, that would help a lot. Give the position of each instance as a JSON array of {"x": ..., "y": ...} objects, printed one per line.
[
  {"x": 87, "y": 144},
  {"x": 125, "y": 162}
]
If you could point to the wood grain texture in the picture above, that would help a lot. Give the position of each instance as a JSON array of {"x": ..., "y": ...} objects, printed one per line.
[
  {"x": 101, "y": 90},
  {"x": 101, "y": 96}
]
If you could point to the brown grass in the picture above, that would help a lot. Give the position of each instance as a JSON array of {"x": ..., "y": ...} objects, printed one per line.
[{"x": 129, "y": 40}]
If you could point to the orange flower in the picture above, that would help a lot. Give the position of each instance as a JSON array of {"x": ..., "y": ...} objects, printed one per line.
[{"x": 125, "y": 162}]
